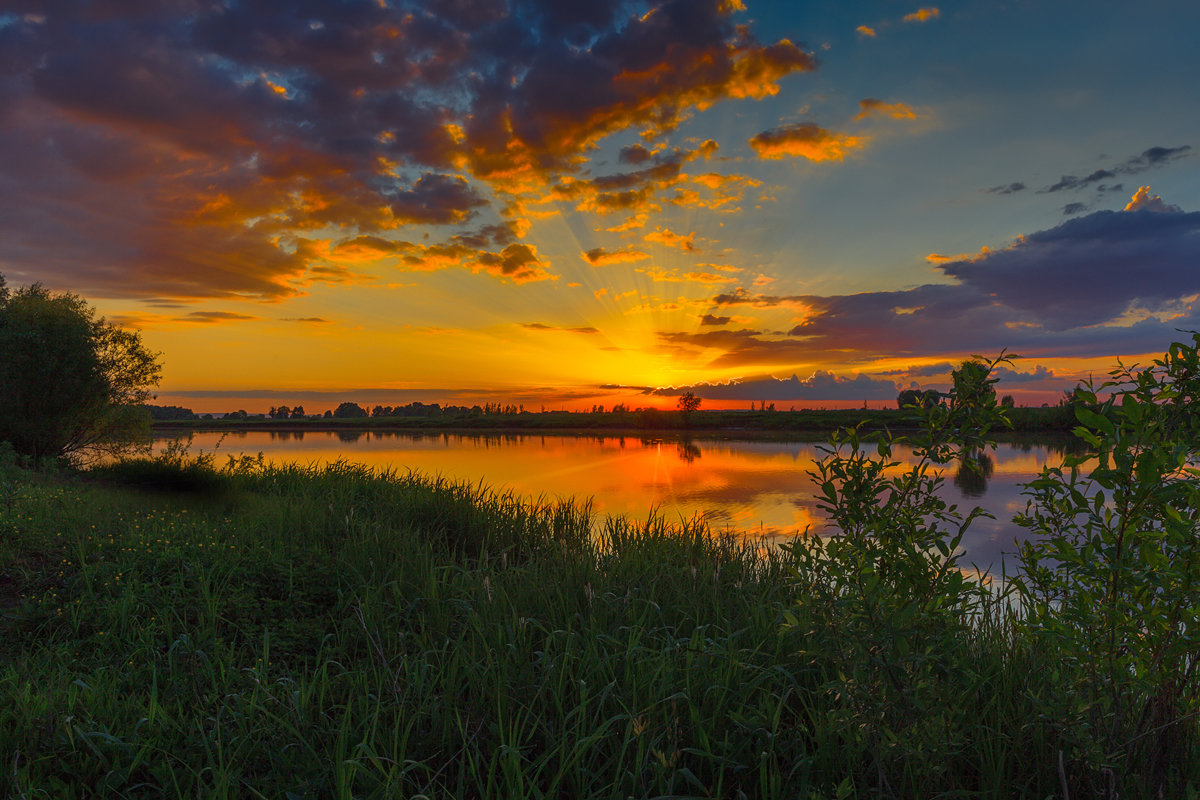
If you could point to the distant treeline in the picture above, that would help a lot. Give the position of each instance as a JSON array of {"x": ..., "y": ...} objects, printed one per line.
[{"x": 1059, "y": 418}]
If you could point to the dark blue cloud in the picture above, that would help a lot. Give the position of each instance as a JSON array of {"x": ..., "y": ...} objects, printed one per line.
[
  {"x": 1061, "y": 292},
  {"x": 1149, "y": 159},
  {"x": 820, "y": 386},
  {"x": 1092, "y": 269}
]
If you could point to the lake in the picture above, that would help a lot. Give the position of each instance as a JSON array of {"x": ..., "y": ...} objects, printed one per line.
[{"x": 761, "y": 488}]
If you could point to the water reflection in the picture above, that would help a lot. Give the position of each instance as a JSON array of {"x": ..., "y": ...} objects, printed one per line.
[
  {"x": 758, "y": 487},
  {"x": 973, "y": 472}
]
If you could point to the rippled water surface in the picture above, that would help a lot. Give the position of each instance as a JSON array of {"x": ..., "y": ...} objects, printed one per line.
[{"x": 759, "y": 487}]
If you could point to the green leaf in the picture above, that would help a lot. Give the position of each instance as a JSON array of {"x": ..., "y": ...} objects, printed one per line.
[{"x": 1093, "y": 420}]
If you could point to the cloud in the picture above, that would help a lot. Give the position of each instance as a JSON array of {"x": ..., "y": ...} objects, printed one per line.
[
  {"x": 518, "y": 262},
  {"x": 635, "y": 154},
  {"x": 1107, "y": 282},
  {"x": 1071, "y": 209},
  {"x": 924, "y": 371},
  {"x": 741, "y": 297},
  {"x": 1091, "y": 269},
  {"x": 1040, "y": 374},
  {"x": 1072, "y": 182},
  {"x": 1142, "y": 200},
  {"x": 710, "y": 319},
  {"x": 191, "y": 150},
  {"x": 1149, "y": 159},
  {"x": 1007, "y": 188},
  {"x": 308, "y": 320},
  {"x": 870, "y": 106},
  {"x": 646, "y": 71},
  {"x": 805, "y": 140},
  {"x": 695, "y": 276},
  {"x": 435, "y": 200},
  {"x": 538, "y": 326},
  {"x": 923, "y": 14},
  {"x": 864, "y": 30},
  {"x": 667, "y": 237},
  {"x": 820, "y": 385},
  {"x": 216, "y": 316},
  {"x": 599, "y": 257}
]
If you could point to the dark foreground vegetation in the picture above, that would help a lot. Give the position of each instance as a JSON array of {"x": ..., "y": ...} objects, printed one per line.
[{"x": 171, "y": 628}]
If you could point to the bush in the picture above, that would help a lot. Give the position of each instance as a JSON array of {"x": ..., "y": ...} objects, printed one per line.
[
  {"x": 1111, "y": 579},
  {"x": 70, "y": 383}
]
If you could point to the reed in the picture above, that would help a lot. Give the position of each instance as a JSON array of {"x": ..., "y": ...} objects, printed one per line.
[{"x": 172, "y": 627}]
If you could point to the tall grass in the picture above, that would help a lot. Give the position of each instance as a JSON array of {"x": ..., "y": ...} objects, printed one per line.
[{"x": 173, "y": 629}]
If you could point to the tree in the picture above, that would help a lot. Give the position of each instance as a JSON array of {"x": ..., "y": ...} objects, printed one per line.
[
  {"x": 349, "y": 411},
  {"x": 908, "y": 398},
  {"x": 915, "y": 398},
  {"x": 688, "y": 402},
  {"x": 71, "y": 384}
]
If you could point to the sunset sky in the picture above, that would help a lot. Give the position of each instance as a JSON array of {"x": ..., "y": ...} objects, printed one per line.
[{"x": 563, "y": 204}]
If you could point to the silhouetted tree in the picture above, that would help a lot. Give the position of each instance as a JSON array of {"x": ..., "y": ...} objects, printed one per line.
[
  {"x": 71, "y": 384},
  {"x": 166, "y": 413},
  {"x": 298, "y": 412},
  {"x": 349, "y": 411},
  {"x": 916, "y": 398},
  {"x": 688, "y": 403}
]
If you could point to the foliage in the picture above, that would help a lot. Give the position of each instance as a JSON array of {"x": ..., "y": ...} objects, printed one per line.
[
  {"x": 915, "y": 398},
  {"x": 1111, "y": 578},
  {"x": 688, "y": 405},
  {"x": 349, "y": 411},
  {"x": 329, "y": 631},
  {"x": 70, "y": 383},
  {"x": 885, "y": 590}
]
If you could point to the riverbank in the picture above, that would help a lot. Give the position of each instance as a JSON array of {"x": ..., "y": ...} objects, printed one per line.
[
  {"x": 750, "y": 425},
  {"x": 168, "y": 628}
]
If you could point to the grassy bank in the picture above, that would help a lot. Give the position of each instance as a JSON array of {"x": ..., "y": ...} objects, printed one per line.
[{"x": 167, "y": 629}]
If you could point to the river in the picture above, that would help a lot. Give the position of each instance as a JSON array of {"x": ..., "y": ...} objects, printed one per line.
[{"x": 761, "y": 488}]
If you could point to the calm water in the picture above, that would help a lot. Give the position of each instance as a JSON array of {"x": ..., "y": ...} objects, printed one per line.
[{"x": 759, "y": 487}]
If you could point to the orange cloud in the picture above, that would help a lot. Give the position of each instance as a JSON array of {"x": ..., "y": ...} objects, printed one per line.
[
  {"x": 871, "y": 106},
  {"x": 518, "y": 262},
  {"x": 599, "y": 257},
  {"x": 863, "y": 30},
  {"x": 665, "y": 236},
  {"x": 939, "y": 258},
  {"x": 806, "y": 140},
  {"x": 529, "y": 133},
  {"x": 216, "y": 316},
  {"x": 633, "y": 223},
  {"x": 923, "y": 14},
  {"x": 1142, "y": 200},
  {"x": 538, "y": 326},
  {"x": 672, "y": 276}
]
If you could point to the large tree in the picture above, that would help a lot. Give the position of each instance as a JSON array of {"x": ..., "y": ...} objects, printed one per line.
[{"x": 71, "y": 383}]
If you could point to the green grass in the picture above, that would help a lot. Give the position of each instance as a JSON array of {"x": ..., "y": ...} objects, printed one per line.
[{"x": 167, "y": 629}]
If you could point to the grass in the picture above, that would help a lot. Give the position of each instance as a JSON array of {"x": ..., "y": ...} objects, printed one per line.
[{"x": 281, "y": 631}]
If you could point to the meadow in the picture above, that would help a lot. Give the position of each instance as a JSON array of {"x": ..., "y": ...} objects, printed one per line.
[{"x": 175, "y": 627}]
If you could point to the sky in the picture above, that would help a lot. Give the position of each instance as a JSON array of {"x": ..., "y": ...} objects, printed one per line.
[{"x": 566, "y": 204}]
